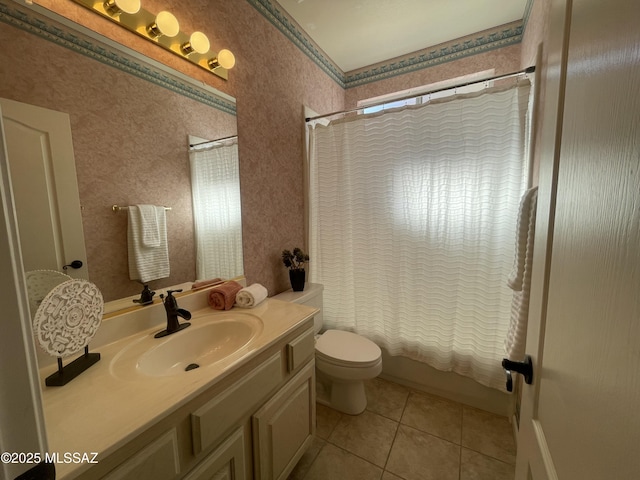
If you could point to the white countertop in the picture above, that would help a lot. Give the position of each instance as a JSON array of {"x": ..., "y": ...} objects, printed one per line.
[{"x": 99, "y": 411}]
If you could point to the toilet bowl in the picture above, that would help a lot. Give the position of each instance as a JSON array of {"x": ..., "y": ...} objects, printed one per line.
[{"x": 344, "y": 360}]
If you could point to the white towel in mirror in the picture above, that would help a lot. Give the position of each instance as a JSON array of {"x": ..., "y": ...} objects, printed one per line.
[
  {"x": 150, "y": 224},
  {"x": 147, "y": 243}
]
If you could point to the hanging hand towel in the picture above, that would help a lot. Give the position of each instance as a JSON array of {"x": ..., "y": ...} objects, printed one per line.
[
  {"x": 526, "y": 215},
  {"x": 147, "y": 243},
  {"x": 223, "y": 296},
  {"x": 517, "y": 334},
  {"x": 251, "y": 296},
  {"x": 150, "y": 225}
]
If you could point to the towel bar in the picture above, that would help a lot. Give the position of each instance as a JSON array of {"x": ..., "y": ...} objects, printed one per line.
[{"x": 117, "y": 208}]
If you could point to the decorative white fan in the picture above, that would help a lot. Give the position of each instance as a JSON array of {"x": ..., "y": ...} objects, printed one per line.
[{"x": 66, "y": 320}]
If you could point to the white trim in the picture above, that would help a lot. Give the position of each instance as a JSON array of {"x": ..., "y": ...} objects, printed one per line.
[
  {"x": 22, "y": 425},
  {"x": 514, "y": 425}
]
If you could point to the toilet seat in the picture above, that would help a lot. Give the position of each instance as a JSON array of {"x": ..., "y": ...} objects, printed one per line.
[{"x": 346, "y": 349}]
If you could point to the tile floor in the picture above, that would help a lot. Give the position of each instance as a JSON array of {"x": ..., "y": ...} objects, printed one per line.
[{"x": 408, "y": 435}]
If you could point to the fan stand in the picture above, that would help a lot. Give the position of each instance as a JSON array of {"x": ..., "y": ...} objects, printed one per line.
[{"x": 67, "y": 373}]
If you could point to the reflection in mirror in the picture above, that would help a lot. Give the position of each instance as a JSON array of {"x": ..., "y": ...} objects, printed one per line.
[
  {"x": 128, "y": 126},
  {"x": 39, "y": 284},
  {"x": 215, "y": 187}
]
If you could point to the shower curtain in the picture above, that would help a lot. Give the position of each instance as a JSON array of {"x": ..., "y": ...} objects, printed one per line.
[
  {"x": 412, "y": 216},
  {"x": 215, "y": 186}
]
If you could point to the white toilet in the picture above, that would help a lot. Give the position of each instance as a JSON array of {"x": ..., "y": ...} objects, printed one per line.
[{"x": 343, "y": 359}]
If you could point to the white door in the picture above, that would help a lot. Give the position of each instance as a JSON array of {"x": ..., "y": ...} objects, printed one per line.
[
  {"x": 580, "y": 416},
  {"x": 45, "y": 188},
  {"x": 22, "y": 426}
]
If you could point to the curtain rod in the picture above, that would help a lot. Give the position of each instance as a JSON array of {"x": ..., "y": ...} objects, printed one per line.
[
  {"x": 191, "y": 145},
  {"x": 497, "y": 77}
]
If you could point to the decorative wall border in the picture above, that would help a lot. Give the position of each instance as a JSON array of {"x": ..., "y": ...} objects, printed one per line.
[
  {"x": 499, "y": 37},
  {"x": 504, "y": 36},
  {"x": 291, "y": 30},
  {"x": 36, "y": 25}
]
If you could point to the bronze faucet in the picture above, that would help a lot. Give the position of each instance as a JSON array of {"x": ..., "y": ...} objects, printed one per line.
[{"x": 173, "y": 312}]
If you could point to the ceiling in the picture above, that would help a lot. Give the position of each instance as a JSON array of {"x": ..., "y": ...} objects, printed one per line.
[{"x": 359, "y": 33}]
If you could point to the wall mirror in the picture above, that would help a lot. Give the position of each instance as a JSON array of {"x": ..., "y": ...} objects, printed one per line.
[{"x": 130, "y": 119}]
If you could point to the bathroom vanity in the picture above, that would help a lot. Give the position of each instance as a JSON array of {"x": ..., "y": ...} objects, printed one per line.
[{"x": 248, "y": 414}]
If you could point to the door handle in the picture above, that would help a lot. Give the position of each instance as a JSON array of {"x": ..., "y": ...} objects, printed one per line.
[
  {"x": 525, "y": 368},
  {"x": 75, "y": 264}
]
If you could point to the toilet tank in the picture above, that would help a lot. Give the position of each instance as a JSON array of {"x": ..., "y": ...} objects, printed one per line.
[{"x": 311, "y": 296}]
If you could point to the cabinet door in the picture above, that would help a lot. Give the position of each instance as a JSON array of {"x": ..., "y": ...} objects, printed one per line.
[
  {"x": 227, "y": 462},
  {"x": 156, "y": 461},
  {"x": 283, "y": 428}
]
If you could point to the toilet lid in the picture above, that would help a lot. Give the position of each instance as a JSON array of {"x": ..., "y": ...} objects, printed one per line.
[{"x": 341, "y": 347}]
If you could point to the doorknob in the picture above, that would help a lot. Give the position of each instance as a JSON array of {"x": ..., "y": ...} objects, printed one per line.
[
  {"x": 75, "y": 264},
  {"x": 525, "y": 368}
]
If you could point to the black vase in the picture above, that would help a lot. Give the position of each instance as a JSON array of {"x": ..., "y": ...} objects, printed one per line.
[{"x": 297, "y": 279}]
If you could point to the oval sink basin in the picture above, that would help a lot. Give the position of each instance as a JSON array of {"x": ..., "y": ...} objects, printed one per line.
[{"x": 209, "y": 339}]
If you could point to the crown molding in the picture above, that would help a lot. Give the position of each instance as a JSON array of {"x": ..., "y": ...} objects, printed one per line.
[
  {"x": 480, "y": 42},
  {"x": 293, "y": 32},
  {"x": 498, "y": 37}
]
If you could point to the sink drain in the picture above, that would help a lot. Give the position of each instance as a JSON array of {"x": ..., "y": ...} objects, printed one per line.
[{"x": 191, "y": 366}]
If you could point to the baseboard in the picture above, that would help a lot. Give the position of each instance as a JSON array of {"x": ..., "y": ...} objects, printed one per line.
[{"x": 420, "y": 376}]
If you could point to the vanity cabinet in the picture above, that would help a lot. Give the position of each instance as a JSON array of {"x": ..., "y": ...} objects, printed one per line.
[
  {"x": 256, "y": 422},
  {"x": 283, "y": 428}
]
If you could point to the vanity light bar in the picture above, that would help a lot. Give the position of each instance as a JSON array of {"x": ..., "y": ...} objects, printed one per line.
[{"x": 164, "y": 30}]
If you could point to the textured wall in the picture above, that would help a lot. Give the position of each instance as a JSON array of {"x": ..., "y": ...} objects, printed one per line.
[
  {"x": 536, "y": 30},
  {"x": 272, "y": 81},
  {"x": 130, "y": 146},
  {"x": 534, "y": 52}
]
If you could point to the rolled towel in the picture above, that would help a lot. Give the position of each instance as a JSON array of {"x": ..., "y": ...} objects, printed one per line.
[
  {"x": 222, "y": 297},
  {"x": 206, "y": 283},
  {"x": 251, "y": 296}
]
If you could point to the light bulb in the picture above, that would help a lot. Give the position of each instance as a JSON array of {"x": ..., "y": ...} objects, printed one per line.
[
  {"x": 165, "y": 24},
  {"x": 225, "y": 59},
  {"x": 116, "y": 7},
  {"x": 198, "y": 42}
]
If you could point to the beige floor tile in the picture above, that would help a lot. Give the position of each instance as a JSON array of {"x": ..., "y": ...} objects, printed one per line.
[
  {"x": 434, "y": 415},
  {"x": 334, "y": 463},
  {"x": 419, "y": 456},
  {"x": 386, "y": 398},
  {"x": 305, "y": 462},
  {"x": 488, "y": 434},
  {"x": 475, "y": 466},
  {"x": 390, "y": 476},
  {"x": 326, "y": 420},
  {"x": 367, "y": 435}
]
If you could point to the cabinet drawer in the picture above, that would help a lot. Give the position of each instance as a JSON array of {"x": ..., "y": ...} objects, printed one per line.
[
  {"x": 300, "y": 349},
  {"x": 157, "y": 461},
  {"x": 225, "y": 410}
]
